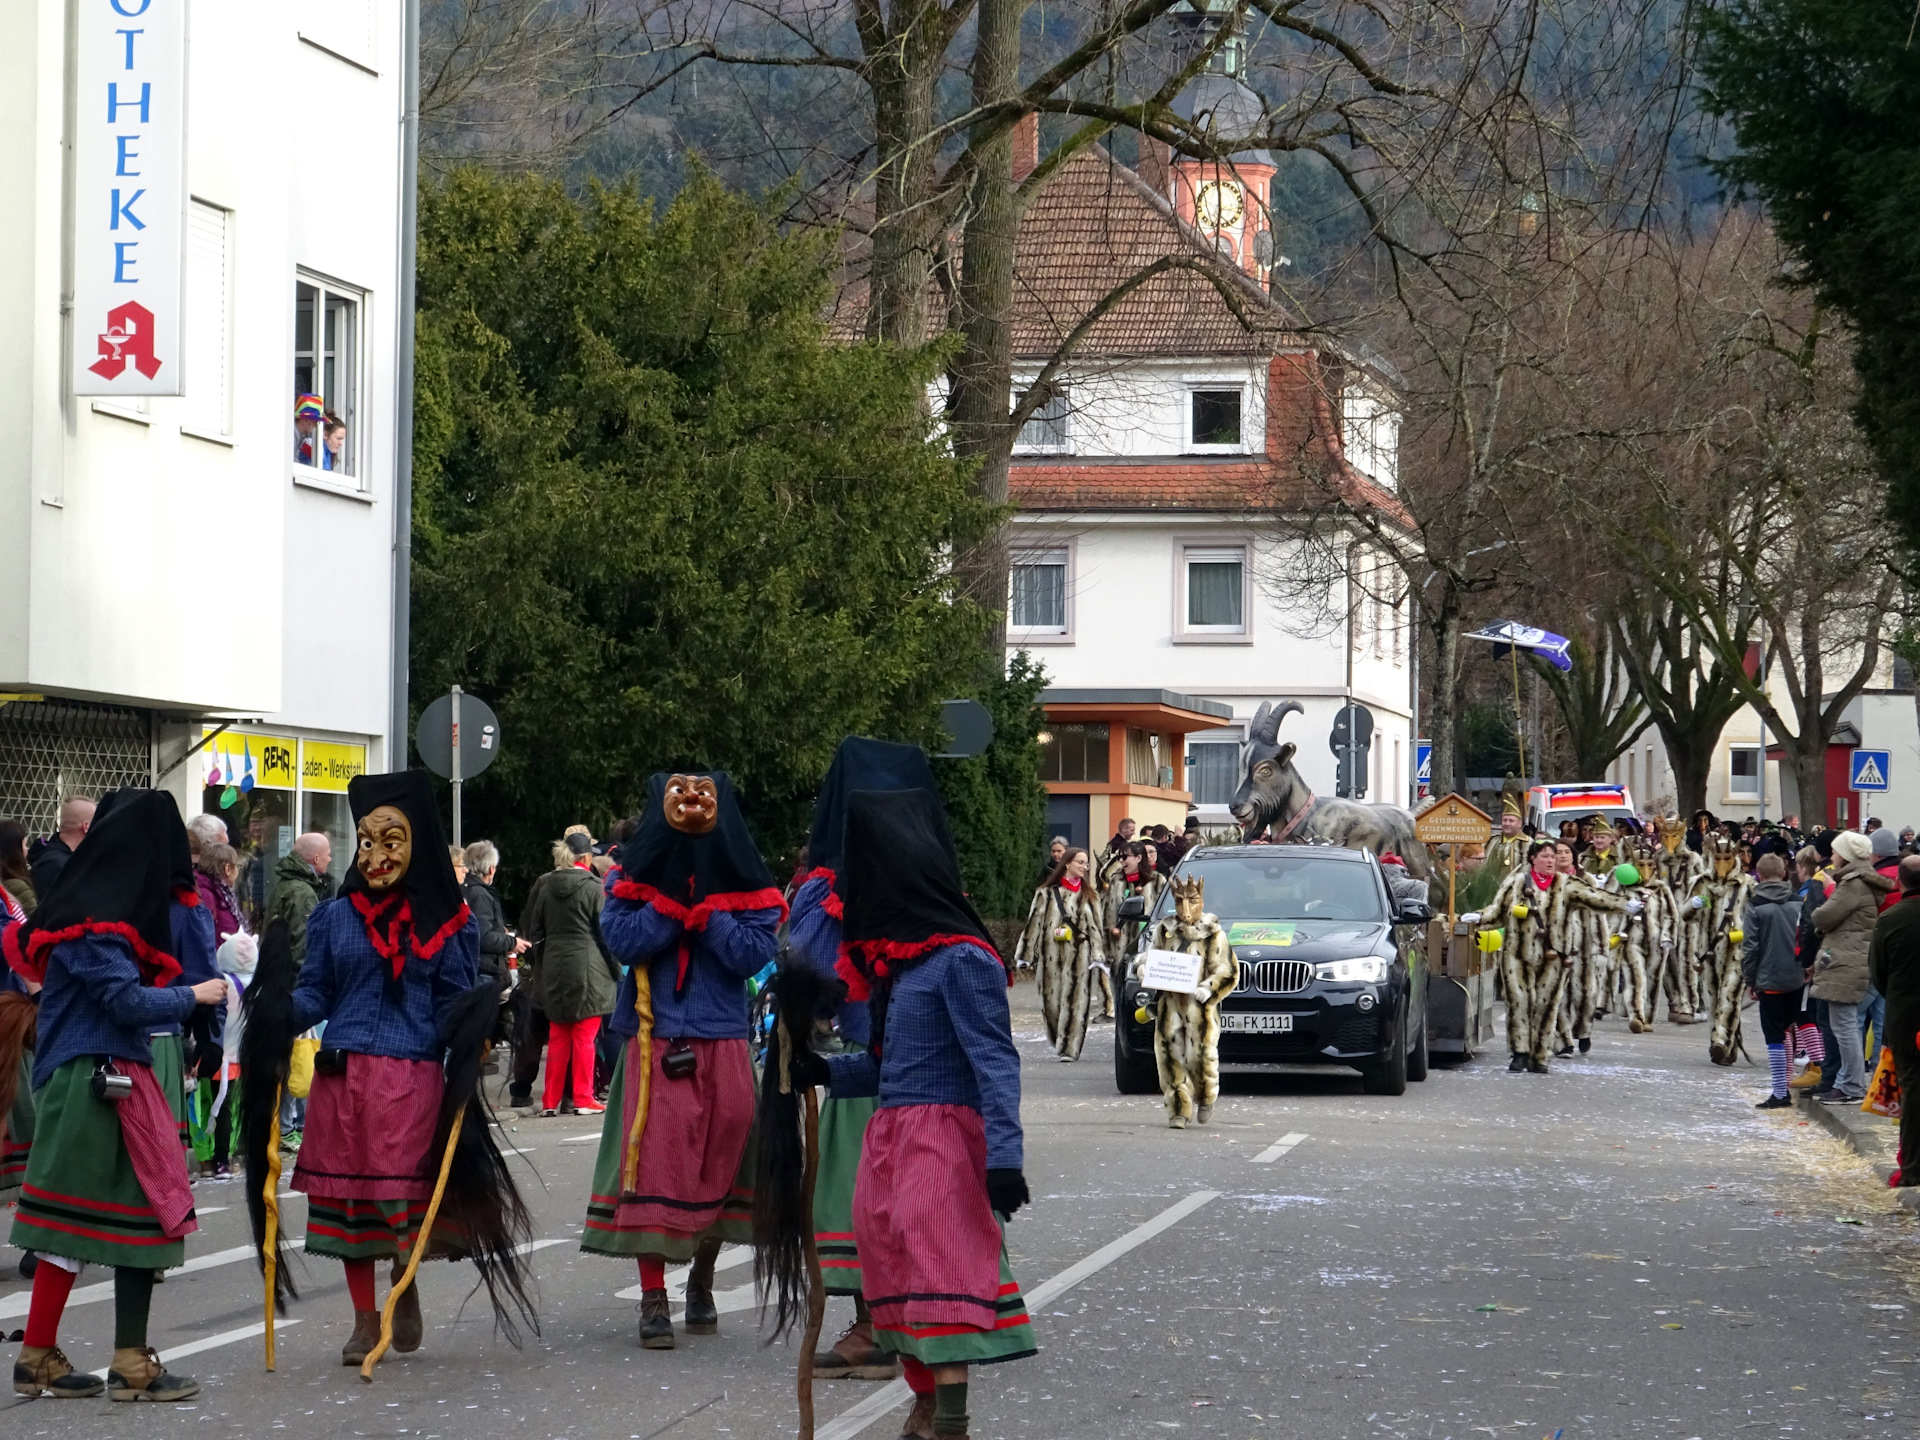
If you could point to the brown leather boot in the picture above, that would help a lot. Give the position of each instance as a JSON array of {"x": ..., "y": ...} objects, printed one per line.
[
  {"x": 366, "y": 1335},
  {"x": 919, "y": 1424},
  {"x": 408, "y": 1327},
  {"x": 137, "y": 1374},
  {"x": 855, "y": 1356},
  {"x": 43, "y": 1370}
]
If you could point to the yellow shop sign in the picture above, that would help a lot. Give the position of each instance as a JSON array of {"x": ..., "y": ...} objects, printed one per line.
[{"x": 327, "y": 766}]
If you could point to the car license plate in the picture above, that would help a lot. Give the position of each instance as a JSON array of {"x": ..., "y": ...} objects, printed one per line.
[{"x": 1257, "y": 1024}]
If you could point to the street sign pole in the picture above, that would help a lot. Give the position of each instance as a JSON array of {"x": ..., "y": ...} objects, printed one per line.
[{"x": 456, "y": 765}]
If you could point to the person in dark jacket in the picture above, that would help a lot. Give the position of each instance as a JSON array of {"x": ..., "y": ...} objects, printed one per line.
[
  {"x": 1770, "y": 966},
  {"x": 478, "y": 864},
  {"x": 575, "y": 972},
  {"x": 1893, "y": 961},
  {"x": 50, "y": 856},
  {"x": 300, "y": 882}
]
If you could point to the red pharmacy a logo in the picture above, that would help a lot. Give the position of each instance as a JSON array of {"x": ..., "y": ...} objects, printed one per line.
[{"x": 128, "y": 337}]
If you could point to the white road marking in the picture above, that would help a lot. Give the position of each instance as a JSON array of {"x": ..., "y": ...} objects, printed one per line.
[
  {"x": 891, "y": 1396},
  {"x": 214, "y": 1342},
  {"x": 1278, "y": 1148},
  {"x": 17, "y": 1303},
  {"x": 579, "y": 1140},
  {"x": 677, "y": 1281}
]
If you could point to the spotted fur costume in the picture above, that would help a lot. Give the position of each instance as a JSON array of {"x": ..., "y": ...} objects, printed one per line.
[
  {"x": 1539, "y": 934},
  {"x": 1065, "y": 945},
  {"x": 1727, "y": 887},
  {"x": 1646, "y": 940},
  {"x": 1186, "y": 1031},
  {"x": 1677, "y": 970},
  {"x": 1121, "y": 949}
]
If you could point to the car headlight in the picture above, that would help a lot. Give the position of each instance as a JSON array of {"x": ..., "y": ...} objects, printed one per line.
[{"x": 1370, "y": 969}]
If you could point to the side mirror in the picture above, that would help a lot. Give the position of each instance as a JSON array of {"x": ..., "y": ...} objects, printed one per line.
[
  {"x": 1134, "y": 907},
  {"x": 1412, "y": 912}
]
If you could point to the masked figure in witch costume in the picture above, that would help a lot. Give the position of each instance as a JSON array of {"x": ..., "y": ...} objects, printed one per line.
[
  {"x": 388, "y": 965},
  {"x": 941, "y": 1168},
  {"x": 815, "y": 936},
  {"x": 106, "y": 1183},
  {"x": 693, "y": 911}
]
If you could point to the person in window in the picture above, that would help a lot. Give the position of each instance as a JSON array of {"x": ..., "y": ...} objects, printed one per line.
[
  {"x": 309, "y": 413},
  {"x": 334, "y": 456}
]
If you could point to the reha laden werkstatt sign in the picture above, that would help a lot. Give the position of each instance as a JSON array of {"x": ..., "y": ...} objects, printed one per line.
[{"x": 130, "y": 200}]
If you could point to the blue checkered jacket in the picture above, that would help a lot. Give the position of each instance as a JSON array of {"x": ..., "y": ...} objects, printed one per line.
[
  {"x": 345, "y": 983},
  {"x": 193, "y": 947},
  {"x": 949, "y": 1041},
  {"x": 95, "y": 1004},
  {"x": 814, "y": 936},
  {"x": 734, "y": 945}
]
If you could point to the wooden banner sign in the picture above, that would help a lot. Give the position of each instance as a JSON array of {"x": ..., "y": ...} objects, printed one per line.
[{"x": 1453, "y": 820}]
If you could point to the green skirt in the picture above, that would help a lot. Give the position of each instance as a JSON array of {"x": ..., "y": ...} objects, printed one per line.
[
  {"x": 81, "y": 1199},
  {"x": 170, "y": 1069},
  {"x": 843, "y": 1125},
  {"x": 377, "y": 1230},
  {"x": 18, "y": 1145}
]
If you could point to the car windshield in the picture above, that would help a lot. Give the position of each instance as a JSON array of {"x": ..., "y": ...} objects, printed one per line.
[{"x": 1287, "y": 887}]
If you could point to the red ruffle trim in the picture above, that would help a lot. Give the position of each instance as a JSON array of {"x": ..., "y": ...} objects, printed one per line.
[
  {"x": 157, "y": 968},
  {"x": 884, "y": 955},
  {"x": 187, "y": 896},
  {"x": 831, "y": 902},
  {"x": 400, "y": 923},
  {"x": 767, "y": 899},
  {"x": 638, "y": 892},
  {"x": 695, "y": 917}
]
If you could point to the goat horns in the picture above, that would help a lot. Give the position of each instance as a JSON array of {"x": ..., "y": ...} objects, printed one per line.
[{"x": 1266, "y": 720}]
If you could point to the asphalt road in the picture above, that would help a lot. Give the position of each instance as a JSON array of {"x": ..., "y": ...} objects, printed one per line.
[{"x": 1623, "y": 1248}]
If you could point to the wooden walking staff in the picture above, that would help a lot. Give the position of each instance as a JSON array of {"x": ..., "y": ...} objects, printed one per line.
[
  {"x": 643, "y": 1010},
  {"x": 270, "y": 1197},
  {"x": 816, "y": 1281},
  {"x": 419, "y": 1249}
]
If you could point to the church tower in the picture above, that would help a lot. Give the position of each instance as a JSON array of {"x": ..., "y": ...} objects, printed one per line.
[{"x": 1229, "y": 196}]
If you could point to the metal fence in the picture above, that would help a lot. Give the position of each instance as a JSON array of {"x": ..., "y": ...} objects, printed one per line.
[{"x": 52, "y": 749}]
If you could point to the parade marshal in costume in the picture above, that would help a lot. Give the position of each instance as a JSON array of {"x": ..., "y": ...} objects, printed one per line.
[
  {"x": 693, "y": 911},
  {"x": 941, "y": 1168},
  {"x": 815, "y": 936},
  {"x": 106, "y": 1183}
]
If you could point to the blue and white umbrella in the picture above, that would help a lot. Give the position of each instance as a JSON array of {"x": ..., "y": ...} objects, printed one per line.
[{"x": 1511, "y": 634}]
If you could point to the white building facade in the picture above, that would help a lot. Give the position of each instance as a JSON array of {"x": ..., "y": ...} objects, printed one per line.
[
  {"x": 177, "y": 553},
  {"x": 1148, "y": 544}
]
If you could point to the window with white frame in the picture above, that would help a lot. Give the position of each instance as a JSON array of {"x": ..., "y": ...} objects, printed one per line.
[
  {"x": 1037, "y": 603},
  {"x": 1214, "y": 418},
  {"x": 208, "y": 408},
  {"x": 1370, "y": 433},
  {"x": 1047, "y": 428},
  {"x": 1213, "y": 590},
  {"x": 327, "y": 321},
  {"x": 1743, "y": 772},
  {"x": 1213, "y": 771}
]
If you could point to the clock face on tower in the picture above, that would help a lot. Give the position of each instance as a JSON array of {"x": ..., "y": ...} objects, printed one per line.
[{"x": 1218, "y": 205}]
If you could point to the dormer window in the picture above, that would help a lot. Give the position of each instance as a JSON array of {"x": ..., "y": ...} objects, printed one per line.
[{"x": 1215, "y": 419}]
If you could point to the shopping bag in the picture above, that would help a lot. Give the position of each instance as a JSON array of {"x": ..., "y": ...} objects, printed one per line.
[
  {"x": 300, "y": 1067},
  {"x": 1883, "y": 1091}
]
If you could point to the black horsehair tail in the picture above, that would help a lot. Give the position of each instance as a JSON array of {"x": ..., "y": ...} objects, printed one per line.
[
  {"x": 482, "y": 1204},
  {"x": 782, "y": 1222},
  {"x": 266, "y": 1049}
]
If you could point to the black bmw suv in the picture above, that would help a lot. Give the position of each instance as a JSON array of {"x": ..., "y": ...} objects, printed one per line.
[{"x": 1331, "y": 970}]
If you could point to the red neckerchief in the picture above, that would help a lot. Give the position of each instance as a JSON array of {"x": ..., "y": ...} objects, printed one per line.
[
  {"x": 1067, "y": 882},
  {"x": 1537, "y": 884},
  {"x": 388, "y": 923},
  {"x": 693, "y": 916}
]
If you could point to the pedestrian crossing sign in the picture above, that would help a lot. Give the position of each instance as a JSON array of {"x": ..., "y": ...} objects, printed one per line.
[{"x": 1868, "y": 770}]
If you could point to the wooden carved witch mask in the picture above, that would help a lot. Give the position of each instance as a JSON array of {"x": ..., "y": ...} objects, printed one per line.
[
  {"x": 691, "y": 803},
  {"x": 385, "y": 848}
]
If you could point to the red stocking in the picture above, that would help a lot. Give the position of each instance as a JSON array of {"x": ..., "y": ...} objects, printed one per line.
[
  {"x": 653, "y": 1273},
  {"x": 919, "y": 1377},
  {"x": 51, "y": 1286},
  {"x": 360, "y": 1284}
]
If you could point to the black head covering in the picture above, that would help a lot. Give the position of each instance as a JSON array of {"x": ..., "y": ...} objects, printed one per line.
[
  {"x": 121, "y": 880},
  {"x": 720, "y": 870},
  {"x": 904, "y": 899},
  {"x": 860, "y": 764},
  {"x": 435, "y": 905}
]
